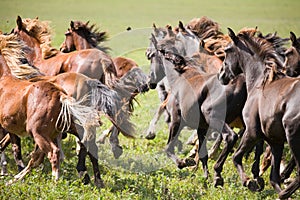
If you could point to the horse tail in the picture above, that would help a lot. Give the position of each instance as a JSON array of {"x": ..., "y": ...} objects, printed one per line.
[
  {"x": 109, "y": 102},
  {"x": 79, "y": 112}
]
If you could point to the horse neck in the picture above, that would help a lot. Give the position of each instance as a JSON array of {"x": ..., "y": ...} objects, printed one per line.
[
  {"x": 81, "y": 43},
  {"x": 254, "y": 72},
  {"x": 171, "y": 74}
]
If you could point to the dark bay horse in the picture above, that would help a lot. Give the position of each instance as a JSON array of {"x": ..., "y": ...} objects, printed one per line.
[
  {"x": 40, "y": 109},
  {"x": 93, "y": 63},
  {"x": 203, "y": 102},
  {"x": 271, "y": 111}
]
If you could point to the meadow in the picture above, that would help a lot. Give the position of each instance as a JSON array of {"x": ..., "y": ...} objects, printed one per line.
[{"x": 143, "y": 171}]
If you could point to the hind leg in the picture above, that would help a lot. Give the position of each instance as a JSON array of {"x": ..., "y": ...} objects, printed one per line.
[
  {"x": 114, "y": 143},
  {"x": 3, "y": 164},
  {"x": 277, "y": 151},
  {"x": 295, "y": 149},
  {"x": 16, "y": 147}
]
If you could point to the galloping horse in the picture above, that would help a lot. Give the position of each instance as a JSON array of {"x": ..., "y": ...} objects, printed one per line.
[
  {"x": 39, "y": 109},
  {"x": 90, "y": 62},
  {"x": 203, "y": 102},
  {"x": 271, "y": 111},
  {"x": 81, "y": 36}
]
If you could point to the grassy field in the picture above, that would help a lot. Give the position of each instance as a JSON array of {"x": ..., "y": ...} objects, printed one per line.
[{"x": 143, "y": 171}]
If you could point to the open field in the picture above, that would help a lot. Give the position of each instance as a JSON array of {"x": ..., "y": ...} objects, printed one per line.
[{"x": 143, "y": 171}]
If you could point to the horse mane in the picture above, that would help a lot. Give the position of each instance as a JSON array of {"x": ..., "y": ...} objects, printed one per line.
[
  {"x": 41, "y": 31},
  {"x": 92, "y": 34},
  {"x": 268, "y": 52},
  {"x": 210, "y": 34},
  {"x": 12, "y": 51}
]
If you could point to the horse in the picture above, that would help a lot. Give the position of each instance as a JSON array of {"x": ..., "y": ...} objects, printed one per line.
[
  {"x": 39, "y": 109},
  {"x": 201, "y": 100},
  {"x": 81, "y": 36},
  {"x": 93, "y": 63},
  {"x": 103, "y": 99},
  {"x": 270, "y": 112}
]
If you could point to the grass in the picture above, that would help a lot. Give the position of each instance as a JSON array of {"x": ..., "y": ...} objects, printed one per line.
[{"x": 143, "y": 171}]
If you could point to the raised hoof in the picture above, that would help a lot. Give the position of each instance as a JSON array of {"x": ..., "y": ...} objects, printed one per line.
[
  {"x": 188, "y": 162},
  {"x": 150, "y": 136},
  {"x": 117, "y": 151},
  {"x": 256, "y": 185},
  {"x": 219, "y": 181}
]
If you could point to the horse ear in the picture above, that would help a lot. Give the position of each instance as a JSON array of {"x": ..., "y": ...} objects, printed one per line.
[
  {"x": 232, "y": 35},
  {"x": 87, "y": 23},
  {"x": 170, "y": 32},
  {"x": 19, "y": 23},
  {"x": 154, "y": 41},
  {"x": 293, "y": 38},
  {"x": 181, "y": 26},
  {"x": 72, "y": 24}
]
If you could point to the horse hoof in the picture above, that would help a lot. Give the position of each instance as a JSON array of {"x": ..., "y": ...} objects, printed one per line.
[
  {"x": 99, "y": 183},
  {"x": 261, "y": 183},
  {"x": 86, "y": 179},
  {"x": 117, "y": 151},
  {"x": 253, "y": 186},
  {"x": 219, "y": 181},
  {"x": 190, "y": 162},
  {"x": 150, "y": 136}
]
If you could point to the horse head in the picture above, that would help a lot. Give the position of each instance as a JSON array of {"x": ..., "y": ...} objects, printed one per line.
[
  {"x": 292, "y": 57},
  {"x": 68, "y": 44}
]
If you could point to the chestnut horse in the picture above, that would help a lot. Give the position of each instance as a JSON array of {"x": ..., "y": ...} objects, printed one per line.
[
  {"x": 82, "y": 36},
  {"x": 90, "y": 62},
  {"x": 271, "y": 110},
  {"x": 77, "y": 85},
  {"x": 40, "y": 109}
]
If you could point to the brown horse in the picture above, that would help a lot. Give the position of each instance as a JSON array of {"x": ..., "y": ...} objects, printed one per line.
[
  {"x": 81, "y": 36},
  {"x": 271, "y": 111},
  {"x": 40, "y": 109},
  {"x": 77, "y": 85},
  {"x": 90, "y": 62}
]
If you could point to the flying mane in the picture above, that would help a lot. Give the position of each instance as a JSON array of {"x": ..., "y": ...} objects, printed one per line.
[
  {"x": 41, "y": 31},
  {"x": 267, "y": 51},
  {"x": 12, "y": 51},
  {"x": 91, "y": 33}
]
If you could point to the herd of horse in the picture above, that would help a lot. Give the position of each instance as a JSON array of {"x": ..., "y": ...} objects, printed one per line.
[{"x": 206, "y": 80}]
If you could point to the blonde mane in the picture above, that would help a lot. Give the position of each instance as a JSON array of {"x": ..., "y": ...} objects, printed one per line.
[
  {"x": 12, "y": 50},
  {"x": 41, "y": 31}
]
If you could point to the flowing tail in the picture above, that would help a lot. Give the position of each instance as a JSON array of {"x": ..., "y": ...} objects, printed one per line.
[
  {"x": 81, "y": 113},
  {"x": 109, "y": 102}
]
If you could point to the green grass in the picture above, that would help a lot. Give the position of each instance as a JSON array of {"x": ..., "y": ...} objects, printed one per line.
[{"x": 144, "y": 171}]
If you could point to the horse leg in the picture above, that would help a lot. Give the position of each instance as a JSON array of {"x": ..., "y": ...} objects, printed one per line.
[
  {"x": 277, "y": 151},
  {"x": 266, "y": 162},
  {"x": 37, "y": 157},
  {"x": 285, "y": 174},
  {"x": 104, "y": 135},
  {"x": 151, "y": 130},
  {"x": 230, "y": 139},
  {"x": 202, "y": 150},
  {"x": 255, "y": 166},
  {"x": 16, "y": 147},
  {"x": 93, "y": 155},
  {"x": 249, "y": 139},
  {"x": 114, "y": 143},
  {"x": 3, "y": 164},
  {"x": 293, "y": 139},
  {"x": 213, "y": 151}
]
